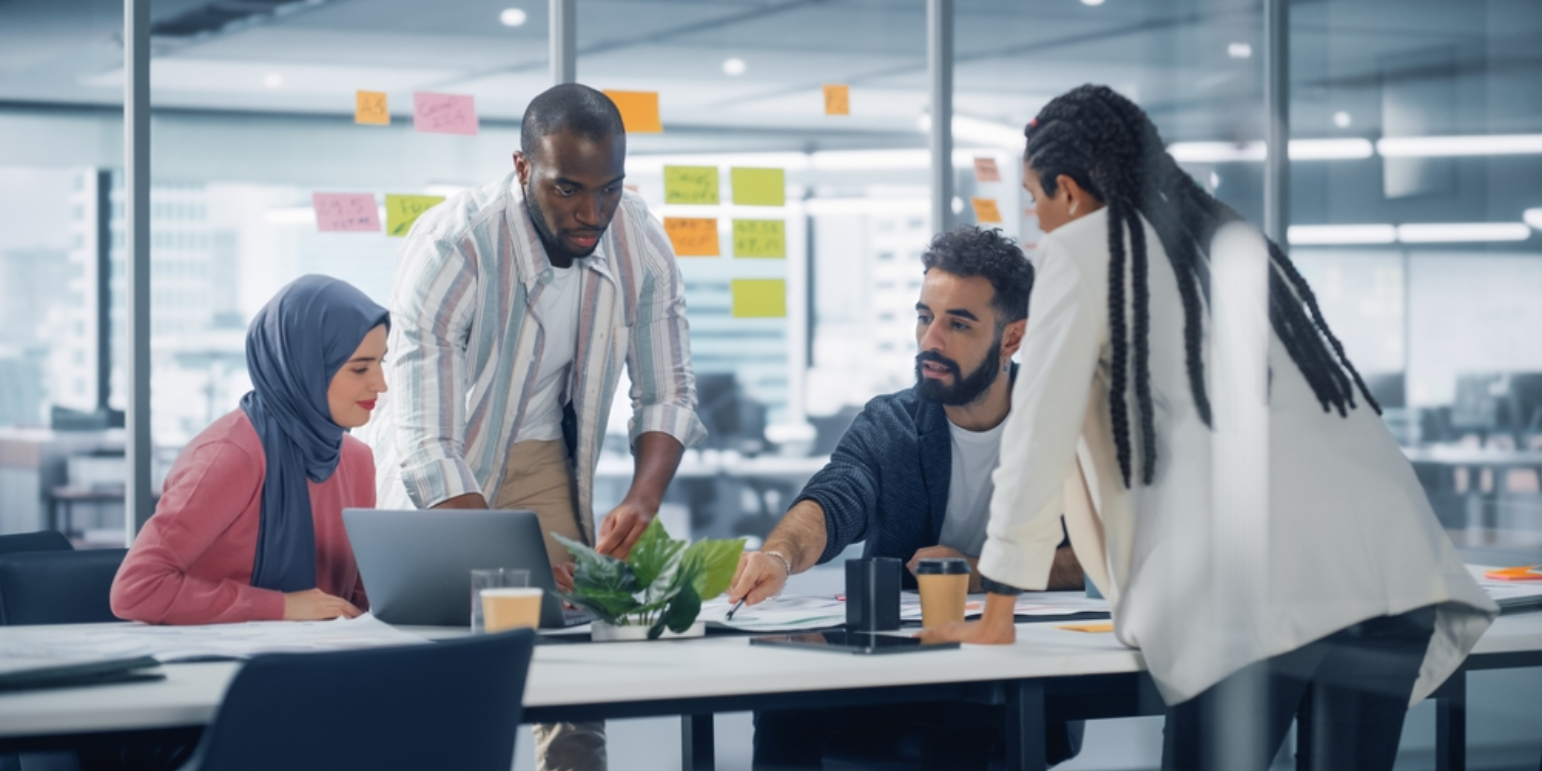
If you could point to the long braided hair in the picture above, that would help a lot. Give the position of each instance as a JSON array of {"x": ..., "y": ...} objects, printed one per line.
[{"x": 1109, "y": 146}]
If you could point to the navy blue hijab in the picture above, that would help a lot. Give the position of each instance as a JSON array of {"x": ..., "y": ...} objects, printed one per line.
[{"x": 295, "y": 345}]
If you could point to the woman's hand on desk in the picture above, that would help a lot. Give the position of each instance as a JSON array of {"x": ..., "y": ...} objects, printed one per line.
[
  {"x": 759, "y": 577},
  {"x": 995, "y": 626},
  {"x": 316, "y": 605}
]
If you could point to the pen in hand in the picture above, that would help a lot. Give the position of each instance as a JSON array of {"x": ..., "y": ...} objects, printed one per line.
[{"x": 735, "y": 608}]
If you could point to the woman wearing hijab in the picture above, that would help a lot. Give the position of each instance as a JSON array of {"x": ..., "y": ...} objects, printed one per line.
[
  {"x": 250, "y": 525},
  {"x": 1362, "y": 600}
]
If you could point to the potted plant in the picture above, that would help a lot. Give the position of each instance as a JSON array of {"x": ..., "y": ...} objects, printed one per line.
[{"x": 658, "y": 587}]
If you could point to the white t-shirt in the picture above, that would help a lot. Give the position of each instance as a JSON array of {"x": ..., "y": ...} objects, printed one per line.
[
  {"x": 975, "y": 455},
  {"x": 557, "y": 310}
]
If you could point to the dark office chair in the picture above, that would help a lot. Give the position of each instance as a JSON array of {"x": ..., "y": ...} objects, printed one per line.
[
  {"x": 43, "y": 540},
  {"x": 452, "y": 704},
  {"x": 58, "y": 587}
]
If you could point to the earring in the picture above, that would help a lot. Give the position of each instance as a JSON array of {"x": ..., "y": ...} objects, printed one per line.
[{"x": 1073, "y": 207}]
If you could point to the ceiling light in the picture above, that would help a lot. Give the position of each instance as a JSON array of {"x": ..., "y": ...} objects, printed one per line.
[
  {"x": 734, "y": 66},
  {"x": 1342, "y": 119},
  {"x": 513, "y": 17},
  {"x": 1457, "y": 232},
  {"x": 1092, "y": 2},
  {"x": 1300, "y": 150},
  {"x": 1239, "y": 51},
  {"x": 1426, "y": 147},
  {"x": 1341, "y": 234},
  {"x": 1330, "y": 149},
  {"x": 273, "y": 80},
  {"x": 1533, "y": 218}
]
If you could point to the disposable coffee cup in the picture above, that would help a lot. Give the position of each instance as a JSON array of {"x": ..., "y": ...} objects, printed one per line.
[
  {"x": 944, "y": 585},
  {"x": 511, "y": 608}
]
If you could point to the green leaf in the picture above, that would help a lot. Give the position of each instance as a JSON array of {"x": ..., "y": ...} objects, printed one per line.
[
  {"x": 602, "y": 584},
  {"x": 683, "y": 610},
  {"x": 654, "y": 554},
  {"x": 609, "y": 606},
  {"x": 712, "y": 564}
]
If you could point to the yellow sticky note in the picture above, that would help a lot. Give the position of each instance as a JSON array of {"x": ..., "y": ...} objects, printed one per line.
[
  {"x": 837, "y": 99},
  {"x": 690, "y": 184},
  {"x": 693, "y": 236},
  {"x": 639, "y": 111},
  {"x": 760, "y": 238},
  {"x": 759, "y": 187},
  {"x": 759, "y": 298},
  {"x": 985, "y": 210},
  {"x": 1106, "y": 626},
  {"x": 403, "y": 210},
  {"x": 370, "y": 108}
]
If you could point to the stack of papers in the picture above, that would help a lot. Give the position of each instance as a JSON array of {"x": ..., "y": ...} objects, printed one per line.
[
  {"x": 198, "y": 643},
  {"x": 787, "y": 614},
  {"x": 1513, "y": 595}
]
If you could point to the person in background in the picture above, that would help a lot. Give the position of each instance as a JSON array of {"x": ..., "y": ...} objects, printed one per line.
[
  {"x": 1357, "y": 600},
  {"x": 249, "y": 526},
  {"x": 911, "y": 479},
  {"x": 516, "y": 307}
]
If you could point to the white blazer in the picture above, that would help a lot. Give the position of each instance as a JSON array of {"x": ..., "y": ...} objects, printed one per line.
[{"x": 1351, "y": 535}]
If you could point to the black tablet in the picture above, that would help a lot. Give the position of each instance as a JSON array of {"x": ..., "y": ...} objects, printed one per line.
[{"x": 859, "y": 643}]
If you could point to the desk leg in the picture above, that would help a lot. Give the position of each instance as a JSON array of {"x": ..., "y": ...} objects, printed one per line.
[
  {"x": 1025, "y": 726},
  {"x": 1451, "y": 724},
  {"x": 697, "y": 752},
  {"x": 1304, "y": 714}
]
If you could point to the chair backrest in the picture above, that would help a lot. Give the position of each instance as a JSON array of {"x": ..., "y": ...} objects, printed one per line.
[
  {"x": 452, "y": 704},
  {"x": 58, "y": 587},
  {"x": 42, "y": 540}
]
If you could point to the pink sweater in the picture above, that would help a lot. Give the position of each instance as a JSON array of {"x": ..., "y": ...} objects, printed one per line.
[{"x": 192, "y": 562}]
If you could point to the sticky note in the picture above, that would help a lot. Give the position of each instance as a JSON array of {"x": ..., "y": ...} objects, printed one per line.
[
  {"x": 760, "y": 238},
  {"x": 985, "y": 210},
  {"x": 370, "y": 108},
  {"x": 690, "y": 185},
  {"x": 759, "y": 298},
  {"x": 639, "y": 111},
  {"x": 693, "y": 236},
  {"x": 985, "y": 170},
  {"x": 1106, "y": 626},
  {"x": 837, "y": 99},
  {"x": 444, "y": 114},
  {"x": 758, "y": 187},
  {"x": 346, "y": 212},
  {"x": 403, "y": 210}
]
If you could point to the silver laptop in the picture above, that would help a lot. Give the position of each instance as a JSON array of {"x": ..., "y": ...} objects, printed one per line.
[{"x": 416, "y": 565}]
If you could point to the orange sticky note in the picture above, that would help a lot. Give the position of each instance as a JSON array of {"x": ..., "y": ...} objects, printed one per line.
[
  {"x": 639, "y": 111},
  {"x": 985, "y": 210},
  {"x": 837, "y": 99},
  {"x": 985, "y": 170},
  {"x": 693, "y": 236},
  {"x": 1106, "y": 626},
  {"x": 370, "y": 108}
]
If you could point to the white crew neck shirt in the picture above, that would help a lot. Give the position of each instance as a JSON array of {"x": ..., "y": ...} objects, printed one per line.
[
  {"x": 556, "y": 309},
  {"x": 975, "y": 455}
]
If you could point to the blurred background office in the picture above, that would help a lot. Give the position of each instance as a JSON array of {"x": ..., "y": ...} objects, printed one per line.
[{"x": 1415, "y": 200}]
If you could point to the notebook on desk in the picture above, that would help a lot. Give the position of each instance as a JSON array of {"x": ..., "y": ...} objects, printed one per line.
[{"x": 22, "y": 674}]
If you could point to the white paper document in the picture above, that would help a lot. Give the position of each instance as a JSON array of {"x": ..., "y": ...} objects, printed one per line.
[
  {"x": 184, "y": 643},
  {"x": 785, "y": 614}
]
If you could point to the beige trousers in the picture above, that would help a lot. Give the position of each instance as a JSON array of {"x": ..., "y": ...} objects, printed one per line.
[{"x": 537, "y": 477}]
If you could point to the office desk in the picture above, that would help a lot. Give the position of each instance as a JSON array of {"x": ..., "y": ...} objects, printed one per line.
[{"x": 1081, "y": 676}]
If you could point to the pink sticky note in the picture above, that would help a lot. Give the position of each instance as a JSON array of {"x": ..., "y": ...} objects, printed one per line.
[
  {"x": 444, "y": 114},
  {"x": 346, "y": 211}
]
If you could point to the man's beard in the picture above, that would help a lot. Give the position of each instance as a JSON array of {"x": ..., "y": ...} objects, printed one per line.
[
  {"x": 966, "y": 389},
  {"x": 550, "y": 240}
]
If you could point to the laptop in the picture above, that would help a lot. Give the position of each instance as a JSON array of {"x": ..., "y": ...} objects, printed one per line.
[{"x": 416, "y": 565}]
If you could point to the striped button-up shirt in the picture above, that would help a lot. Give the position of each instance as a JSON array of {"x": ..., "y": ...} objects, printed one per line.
[{"x": 466, "y": 342}]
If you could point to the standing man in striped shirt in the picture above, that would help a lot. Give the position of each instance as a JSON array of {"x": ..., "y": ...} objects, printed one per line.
[{"x": 515, "y": 307}]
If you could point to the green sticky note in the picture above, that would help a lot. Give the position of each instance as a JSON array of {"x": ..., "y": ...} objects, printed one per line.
[
  {"x": 690, "y": 185},
  {"x": 759, "y": 298},
  {"x": 760, "y": 238},
  {"x": 759, "y": 187},
  {"x": 403, "y": 210}
]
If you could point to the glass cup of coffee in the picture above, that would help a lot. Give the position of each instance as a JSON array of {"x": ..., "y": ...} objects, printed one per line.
[
  {"x": 495, "y": 578},
  {"x": 944, "y": 585}
]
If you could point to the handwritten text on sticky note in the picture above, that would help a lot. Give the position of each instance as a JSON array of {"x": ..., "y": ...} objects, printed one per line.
[
  {"x": 759, "y": 298},
  {"x": 760, "y": 238},
  {"x": 837, "y": 99},
  {"x": 444, "y": 114},
  {"x": 370, "y": 109},
  {"x": 985, "y": 170},
  {"x": 346, "y": 212},
  {"x": 639, "y": 111},
  {"x": 403, "y": 210},
  {"x": 758, "y": 187},
  {"x": 693, "y": 236},
  {"x": 985, "y": 210},
  {"x": 690, "y": 185}
]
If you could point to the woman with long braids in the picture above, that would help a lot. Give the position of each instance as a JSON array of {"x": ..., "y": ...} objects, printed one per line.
[{"x": 1111, "y": 424}]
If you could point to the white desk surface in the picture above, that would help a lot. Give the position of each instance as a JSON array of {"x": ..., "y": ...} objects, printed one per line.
[{"x": 630, "y": 672}]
